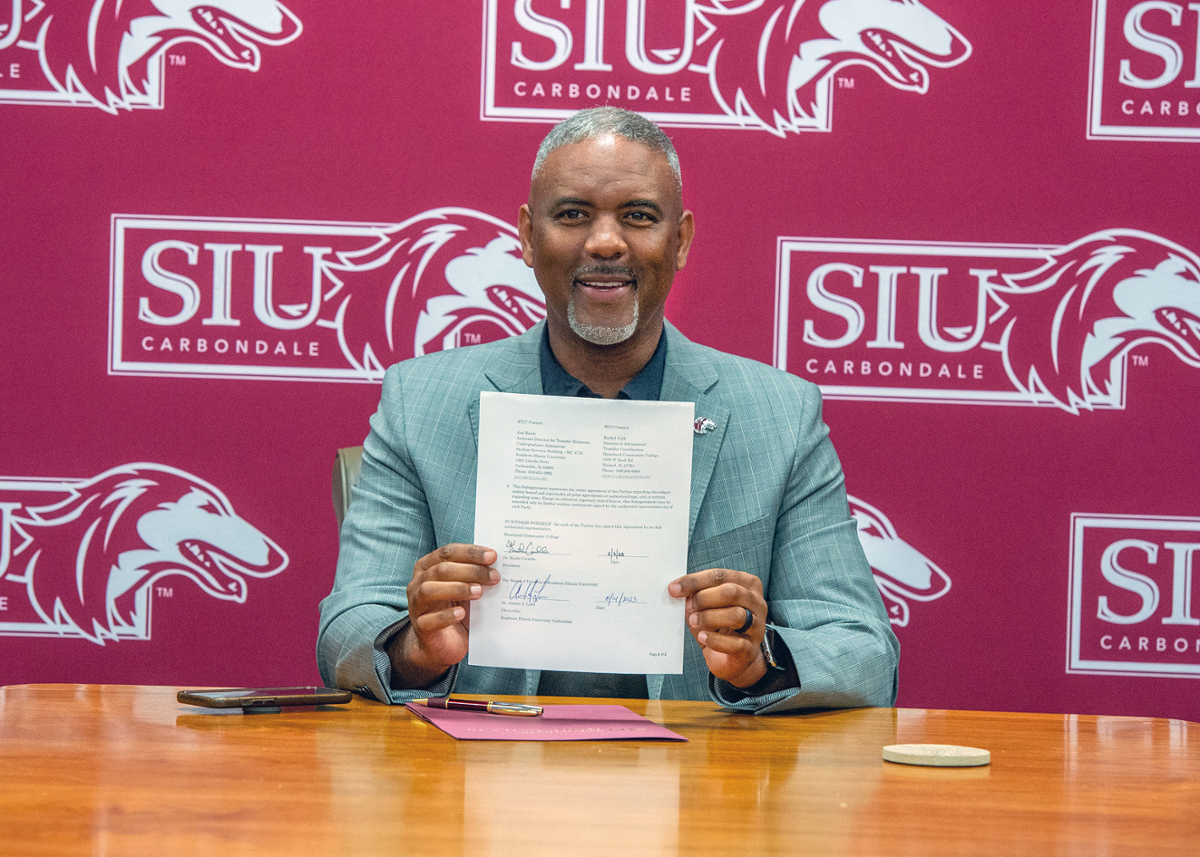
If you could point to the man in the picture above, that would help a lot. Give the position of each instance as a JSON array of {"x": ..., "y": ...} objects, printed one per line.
[{"x": 780, "y": 605}]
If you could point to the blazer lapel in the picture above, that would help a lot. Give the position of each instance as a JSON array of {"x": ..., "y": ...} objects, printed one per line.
[
  {"x": 687, "y": 377},
  {"x": 513, "y": 368}
]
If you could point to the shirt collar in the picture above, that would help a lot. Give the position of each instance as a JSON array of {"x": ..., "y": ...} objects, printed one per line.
[{"x": 645, "y": 386}]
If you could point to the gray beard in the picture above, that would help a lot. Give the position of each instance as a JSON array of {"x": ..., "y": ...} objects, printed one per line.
[{"x": 598, "y": 334}]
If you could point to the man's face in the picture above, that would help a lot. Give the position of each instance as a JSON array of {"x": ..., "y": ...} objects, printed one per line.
[{"x": 605, "y": 232}]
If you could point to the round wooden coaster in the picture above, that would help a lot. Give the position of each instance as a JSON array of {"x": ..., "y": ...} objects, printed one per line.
[{"x": 936, "y": 755}]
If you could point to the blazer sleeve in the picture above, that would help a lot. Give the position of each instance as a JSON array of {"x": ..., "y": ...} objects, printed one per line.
[
  {"x": 388, "y": 527},
  {"x": 821, "y": 594}
]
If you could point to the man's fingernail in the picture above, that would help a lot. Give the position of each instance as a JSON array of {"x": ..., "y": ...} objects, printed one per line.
[
  {"x": 675, "y": 589},
  {"x": 494, "y": 576},
  {"x": 476, "y": 590},
  {"x": 694, "y": 620}
]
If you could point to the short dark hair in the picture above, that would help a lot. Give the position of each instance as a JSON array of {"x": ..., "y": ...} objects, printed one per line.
[{"x": 596, "y": 122}]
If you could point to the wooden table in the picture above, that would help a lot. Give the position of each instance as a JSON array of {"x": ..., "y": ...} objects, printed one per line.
[{"x": 128, "y": 771}]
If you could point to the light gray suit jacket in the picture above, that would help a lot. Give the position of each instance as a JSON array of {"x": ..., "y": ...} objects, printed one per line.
[{"x": 767, "y": 498}]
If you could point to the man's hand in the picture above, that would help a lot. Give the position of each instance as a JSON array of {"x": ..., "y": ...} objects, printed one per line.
[
  {"x": 715, "y": 612},
  {"x": 443, "y": 584}
]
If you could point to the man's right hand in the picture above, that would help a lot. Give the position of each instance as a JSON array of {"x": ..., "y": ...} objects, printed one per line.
[{"x": 443, "y": 584}]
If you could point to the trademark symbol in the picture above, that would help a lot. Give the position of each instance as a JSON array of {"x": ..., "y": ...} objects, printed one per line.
[
  {"x": 164, "y": 591},
  {"x": 177, "y": 59},
  {"x": 1141, "y": 360},
  {"x": 845, "y": 83}
]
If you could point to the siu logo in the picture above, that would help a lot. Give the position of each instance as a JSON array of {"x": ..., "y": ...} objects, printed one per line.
[
  {"x": 985, "y": 324},
  {"x": 1132, "y": 609},
  {"x": 760, "y": 64},
  {"x": 81, "y": 558},
  {"x": 1145, "y": 71},
  {"x": 902, "y": 573},
  {"x": 309, "y": 300},
  {"x": 110, "y": 53}
]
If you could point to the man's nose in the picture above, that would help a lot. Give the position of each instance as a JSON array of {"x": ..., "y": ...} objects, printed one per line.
[{"x": 605, "y": 240}]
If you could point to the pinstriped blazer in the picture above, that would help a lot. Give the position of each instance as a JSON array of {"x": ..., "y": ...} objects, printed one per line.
[{"x": 767, "y": 497}]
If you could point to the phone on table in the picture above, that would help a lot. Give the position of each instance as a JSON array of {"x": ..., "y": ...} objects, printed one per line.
[{"x": 263, "y": 697}]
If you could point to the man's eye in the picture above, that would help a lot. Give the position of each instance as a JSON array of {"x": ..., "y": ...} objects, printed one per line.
[
  {"x": 571, "y": 214},
  {"x": 641, "y": 217}
]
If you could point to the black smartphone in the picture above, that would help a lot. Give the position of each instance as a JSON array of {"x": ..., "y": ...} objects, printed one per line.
[{"x": 263, "y": 697}]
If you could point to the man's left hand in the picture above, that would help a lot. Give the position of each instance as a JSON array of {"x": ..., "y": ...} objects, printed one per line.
[{"x": 715, "y": 612}]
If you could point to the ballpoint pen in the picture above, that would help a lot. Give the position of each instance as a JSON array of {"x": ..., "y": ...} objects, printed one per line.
[{"x": 511, "y": 709}]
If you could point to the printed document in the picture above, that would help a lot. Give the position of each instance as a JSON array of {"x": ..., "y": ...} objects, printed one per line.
[{"x": 586, "y": 502}]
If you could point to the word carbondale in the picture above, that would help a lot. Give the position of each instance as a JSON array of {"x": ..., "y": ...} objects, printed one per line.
[
  {"x": 221, "y": 346},
  {"x": 612, "y": 92}
]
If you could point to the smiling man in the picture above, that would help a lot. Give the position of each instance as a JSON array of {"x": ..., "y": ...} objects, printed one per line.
[
  {"x": 780, "y": 604},
  {"x": 605, "y": 232}
]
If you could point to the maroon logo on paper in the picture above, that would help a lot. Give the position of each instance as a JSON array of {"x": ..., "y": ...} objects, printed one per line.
[
  {"x": 311, "y": 300},
  {"x": 1145, "y": 71},
  {"x": 985, "y": 324},
  {"x": 728, "y": 63},
  {"x": 85, "y": 558},
  {"x": 902, "y": 573},
  {"x": 1132, "y": 589},
  {"x": 111, "y": 53}
]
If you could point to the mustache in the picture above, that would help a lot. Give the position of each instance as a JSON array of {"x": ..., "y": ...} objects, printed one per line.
[{"x": 604, "y": 271}]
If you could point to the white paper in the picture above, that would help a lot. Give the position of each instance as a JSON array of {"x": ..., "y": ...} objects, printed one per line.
[{"x": 586, "y": 502}]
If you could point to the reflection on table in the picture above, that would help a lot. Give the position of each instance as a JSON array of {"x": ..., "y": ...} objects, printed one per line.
[{"x": 128, "y": 770}]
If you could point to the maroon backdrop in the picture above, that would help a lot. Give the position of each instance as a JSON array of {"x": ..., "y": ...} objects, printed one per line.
[{"x": 973, "y": 224}]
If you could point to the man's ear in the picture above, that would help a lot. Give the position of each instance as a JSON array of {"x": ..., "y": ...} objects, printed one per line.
[
  {"x": 525, "y": 230},
  {"x": 687, "y": 229}
]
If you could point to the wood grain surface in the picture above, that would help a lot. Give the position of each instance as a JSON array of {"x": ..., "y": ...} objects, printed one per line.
[{"x": 119, "y": 770}]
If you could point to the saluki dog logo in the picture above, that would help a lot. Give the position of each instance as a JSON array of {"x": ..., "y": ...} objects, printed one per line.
[
  {"x": 88, "y": 553},
  {"x": 110, "y": 53}
]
